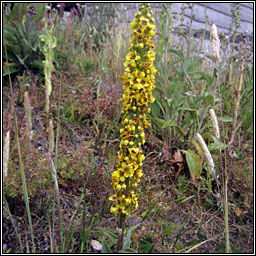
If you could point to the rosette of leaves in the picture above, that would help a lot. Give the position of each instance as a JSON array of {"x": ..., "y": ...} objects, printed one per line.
[{"x": 22, "y": 46}]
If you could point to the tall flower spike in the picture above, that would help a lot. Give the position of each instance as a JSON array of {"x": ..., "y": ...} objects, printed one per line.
[
  {"x": 207, "y": 154},
  {"x": 215, "y": 123},
  {"x": 138, "y": 82},
  {"x": 215, "y": 42}
]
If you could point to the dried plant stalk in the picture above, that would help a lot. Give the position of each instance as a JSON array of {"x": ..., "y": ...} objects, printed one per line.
[
  {"x": 51, "y": 137},
  {"x": 28, "y": 115},
  {"x": 6, "y": 155},
  {"x": 237, "y": 104}
]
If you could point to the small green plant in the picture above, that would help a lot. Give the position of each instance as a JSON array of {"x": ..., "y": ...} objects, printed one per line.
[
  {"x": 21, "y": 29},
  {"x": 22, "y": 49}
]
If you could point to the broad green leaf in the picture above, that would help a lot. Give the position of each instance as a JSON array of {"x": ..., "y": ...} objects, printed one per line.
[
  {"x": 158, "y": 121},
  {"x": 169, "y": 123},
  {"x": 110, "y": 235},
  {"x": 216, "y": 145},
  {"x": 180, "y": 131},
  {"x": 206, "y": 77},
  {"x": 173, "y": 88},
  {"x": 127, "y": 241},
  {"x": 180, "y": 72},
  {"x": 172, "y": 123},
  {"x": 188, "y": 64},
  {"x": 145, "y": 245},
  {"x": 105, "y": 247},
  {"x": 159, "y": 90},
  {"x": 208, "y": 100},
  {"x": 194, "y": 163},
  {"x": 130, "y": 229},
  {"x": 178, "y": 52},
  {"x": 155, "y": 109}
]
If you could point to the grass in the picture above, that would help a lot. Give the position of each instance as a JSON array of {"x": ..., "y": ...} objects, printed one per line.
[{"x": 176, "y": 213}]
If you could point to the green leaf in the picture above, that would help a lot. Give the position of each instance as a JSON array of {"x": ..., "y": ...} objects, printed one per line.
[
  {"x": 155, "y": 109},
  {"x": 146, "y": 213},
  {"x": 173, "y": 88},
  {"x": 188, "y": 64},
  {"x": 181, "y": 34},
  {"x": 216, "y": 145},
  {"x": 130, "y": 229},
  {"x": 186, "y": 199},
  {"x": 180, "y": 72},
  {"x": 225, "y": 119},
  {"x": 105, "y": 247},
  {"x": 180, "y": 131},
  {"x": 187, "y": 109},
  {"x": 206, "y": 77},
  {"x": 129, "y": 250},
  {"x": 145, "y": 245},
  {"x": 11, "y": 69},
  {"x": 208, "y": 100},
  {"x": 178, "y": 52},
  {"x": 110, "y": 235},
  {"x": 211, "y": 57},
  {"x": 37, "y": 64},
  {"x": 127, "y": 241},
  {"x": 194, "y": 163},
  {"x": 168, "y": 230},
  {"x": 172, "y": 123},
  {"x": 169, "y": 123},
  {"x": 158, "y": 121}
]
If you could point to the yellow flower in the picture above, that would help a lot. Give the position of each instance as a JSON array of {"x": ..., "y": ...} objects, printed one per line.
[
  {"x": 138, "y": 82},
  {"x": 133, "y": 151},
  {"x": 118, "y": 187}
]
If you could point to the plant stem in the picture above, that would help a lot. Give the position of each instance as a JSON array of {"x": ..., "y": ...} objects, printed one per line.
[
  {"x": 56, "y": 186},
  {"x": 237, "y": 103},
  {"x": 121, "y": 225},
  {"x": 190, "y": 30},
  {"x": 228, "y": 249}
]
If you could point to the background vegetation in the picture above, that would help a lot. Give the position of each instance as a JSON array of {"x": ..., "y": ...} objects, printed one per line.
[{"x": 57, "y": 178}]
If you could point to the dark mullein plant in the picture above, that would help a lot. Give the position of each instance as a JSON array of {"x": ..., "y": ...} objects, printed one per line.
[{"x": 138, "y": 82}]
